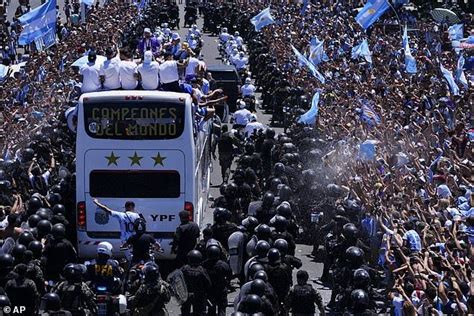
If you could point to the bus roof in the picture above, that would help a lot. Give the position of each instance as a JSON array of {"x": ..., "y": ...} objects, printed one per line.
[{"x": 134, "y": 95}]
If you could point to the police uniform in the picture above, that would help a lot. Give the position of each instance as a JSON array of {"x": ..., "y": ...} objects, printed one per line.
[
  {"x": 248, "y": 90},
  {"x": 150, "y": 299},
  {"x": 302, "y": 298},
  {"x": 76, "y": 297},
  {"x": 241, "y": 117}
]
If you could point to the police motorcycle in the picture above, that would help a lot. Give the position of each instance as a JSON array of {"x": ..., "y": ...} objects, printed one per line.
[
  {"x": 110, "y": 301},
  {"x": 190, "y": 17}
]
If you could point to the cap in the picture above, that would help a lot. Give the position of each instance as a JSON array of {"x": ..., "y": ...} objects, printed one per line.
[
  {"x": 148, "y": 57},
  {"x": 248, "y": 80},
  {"x": 242, "y": 105},
  {"x": 105, "y": 248},
  {"x": 175, "y": 36},
  {"x": 147, "y": 30},
  {"x": 253, "y": 118}
]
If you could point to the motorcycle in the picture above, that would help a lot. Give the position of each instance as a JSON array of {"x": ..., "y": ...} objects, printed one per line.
[{"x": 110, "y": 304}]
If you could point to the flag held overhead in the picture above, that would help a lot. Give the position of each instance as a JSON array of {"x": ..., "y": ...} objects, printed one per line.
[
  {"x": 38, "y": 22},
  {"x": 371, "y": 12},
  {"x": 262, "y": 19}
]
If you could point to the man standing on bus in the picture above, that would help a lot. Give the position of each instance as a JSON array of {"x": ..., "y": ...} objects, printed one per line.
[{"x": 126, "y": 219}]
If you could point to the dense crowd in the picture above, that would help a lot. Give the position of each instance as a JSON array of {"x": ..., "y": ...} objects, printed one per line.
[{"x": 393, "y": 228}]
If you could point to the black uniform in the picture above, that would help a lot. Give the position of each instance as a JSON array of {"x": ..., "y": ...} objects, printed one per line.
[
  {"x": 302, "y": 298},
  {"x": 141, "y": 244},
  {"x": 198, "y": 284},
  {"x": 150, "y": 299},
  {"x": 58, "y": 253},
  {"x": 22, "y": 292},
  {"x": 76, "y": 297},
  {"x": 185, "y": 240},
  {"x": 222, "y": 232},
  {"x": 103, "y": 273},
  {"x": 220, "y": 274},
  {"x": 279, "y": 276}
]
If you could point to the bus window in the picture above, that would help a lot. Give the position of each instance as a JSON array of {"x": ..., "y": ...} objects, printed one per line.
[
  {"x": 134, "y": 120},
  {"x": 134, "y": 184}
]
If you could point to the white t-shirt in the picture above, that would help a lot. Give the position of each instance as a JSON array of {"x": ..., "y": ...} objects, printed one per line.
[
  {"x": 248, "y": 90},
  {"x": 128, "y": 69},
  {"x": 169, "y": 71},
  {"x": 150, "y": 75},
  {"x": 251, "y": 127},
  {"x": 191, "y": 68},
  {"x": 110, "y": 69},
  {"x": 241, "y": 117},
  {"x": 90, "y": 77}
]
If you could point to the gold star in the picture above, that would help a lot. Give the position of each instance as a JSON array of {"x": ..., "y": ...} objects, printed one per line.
[
  {"x": 158, "y": 159},
  {"x": 135, "y": 159},
  {"x": 112, "y": 159}
]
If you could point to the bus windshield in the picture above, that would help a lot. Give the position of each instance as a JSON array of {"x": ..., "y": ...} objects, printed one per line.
[{"x": 134, "y": 120}]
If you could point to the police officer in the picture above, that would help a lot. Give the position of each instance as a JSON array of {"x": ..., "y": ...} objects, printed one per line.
[
  {"x": 58, "y": 251},
  {"x": 22, "y": 291},
  {"x": 222, "y": 228},
  {"x": 6, "y": 269},
  {"x": 279, "y": 275},
  {"x": 75, "y": 295},
  {"x": 185, "y": 238},
  {"x": 152, "y": 295},
  {"x": 141, "y": 243},
  {"x": 51, "y": 306},
  {"x": 226, "y": 145},
  {"x": 303, "y": 297},
  {"x": 220, "y": 274},
  {"x": 241, "y": 116},
  {"x": 103, "y": 270},
  {"x": 198, "y": 284}
]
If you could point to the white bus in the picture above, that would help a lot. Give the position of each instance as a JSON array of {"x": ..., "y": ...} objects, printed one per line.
[{"x": 140, "y": 146}]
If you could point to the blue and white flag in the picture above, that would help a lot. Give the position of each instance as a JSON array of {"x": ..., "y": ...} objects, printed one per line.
[
  {"x": 37, "y": 23},
  {"x": 371, "y": 12},
  {"x": 368, "y": 114},
  {"x": 304, "y": 8},
  {"x": 316, "y": 51},
  {"x": 410, "y": 61},
  {"x": 367, "y": 150},
  {"x": 460, "y": 76},
  {"x": 262, "y": 19},
  {"x": 448, "y": 75},
  {"x": 362, "y": 50},
  {"x": 455, "y": 32},
  {"x": 309, "y": 118},
  {"x": 305, "y": 62}
]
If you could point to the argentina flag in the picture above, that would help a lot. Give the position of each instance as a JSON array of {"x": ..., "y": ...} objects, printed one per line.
[
  {"x": 38, "y": 22},
  {"x": 262, "y": 19},
  {"x": 371, "y": 12}
]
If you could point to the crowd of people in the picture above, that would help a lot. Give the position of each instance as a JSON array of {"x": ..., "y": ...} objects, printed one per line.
[{"x": 393, "y": 227}]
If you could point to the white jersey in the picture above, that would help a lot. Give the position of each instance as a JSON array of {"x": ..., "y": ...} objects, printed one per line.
[
  {"x": 128, "y": 69},
  {"x": 241, "y": 117},
  {"x": 252, "y": 127},
  {"x": 248, "y": 90},
  {"x": 149, "y": 75},
  {"x": 110, "y": 70},
  {"x": 169, "y": 71},
  {"x": 90, "y": 77}
]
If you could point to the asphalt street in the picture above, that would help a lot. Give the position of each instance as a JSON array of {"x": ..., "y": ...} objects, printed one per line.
[{"x": 211, "y": 56}]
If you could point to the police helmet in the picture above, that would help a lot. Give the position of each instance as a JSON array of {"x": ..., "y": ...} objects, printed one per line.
[
  {"x": 36, "y": 247},
  {"x": 33, "y": 220},
  {"x": 105, "y": 248},
  {"x": 282, "y": 245},
  {"x": 273, "y": 255},
  {"x": 51, "y": 302},
  {"x": 151, "y": 272},
  {"x": 58, "y": 231},
  {"x": 28, "y": 154},
  {"x": 361, "y": 278},
  {"x": 354, "y": 256},
  {"x": 270, "y": 133},
  {"x": 262, "y": 248},
  {"x": 251, "y": 304},
  {"x": 250, "y": 223},
  {"x": 263, "y": 231},
  {"x": 139, "y": 225},
  {"x": 268, "y": 199},
  {"x": 285, "y": 193},
  {"x": 213, "y": 252},
  {"x": 261, "y": 275},
  {"x": 350, "y": 231},
  {"x": 45, "y": 213},
  {"x": 43, "y": 227},
  {"x": 258, "y": 287},
  {"x": 72, "y": 272},
  {"x": 284, "y": 209},
  {"x": 34, "y": 203},
  {"x": 254, "y": 268},
  {"x": 220, "y": 215},
  {"x": 274, "y": 185},
  {"x": 194, "y": 257},
  {"x": 25, "y": 238},
  {"x": 18, "y": 252},
  {"x": 59, "y": 208},
  {"x": 4, "y": 301},
  {"x": 6, "y": 261},
  {"x": 281, "y": 223},
  {"x": 360, "y": 300}
]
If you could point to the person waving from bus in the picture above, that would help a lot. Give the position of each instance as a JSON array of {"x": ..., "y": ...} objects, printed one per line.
[{"x": 126, "y": 219}]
